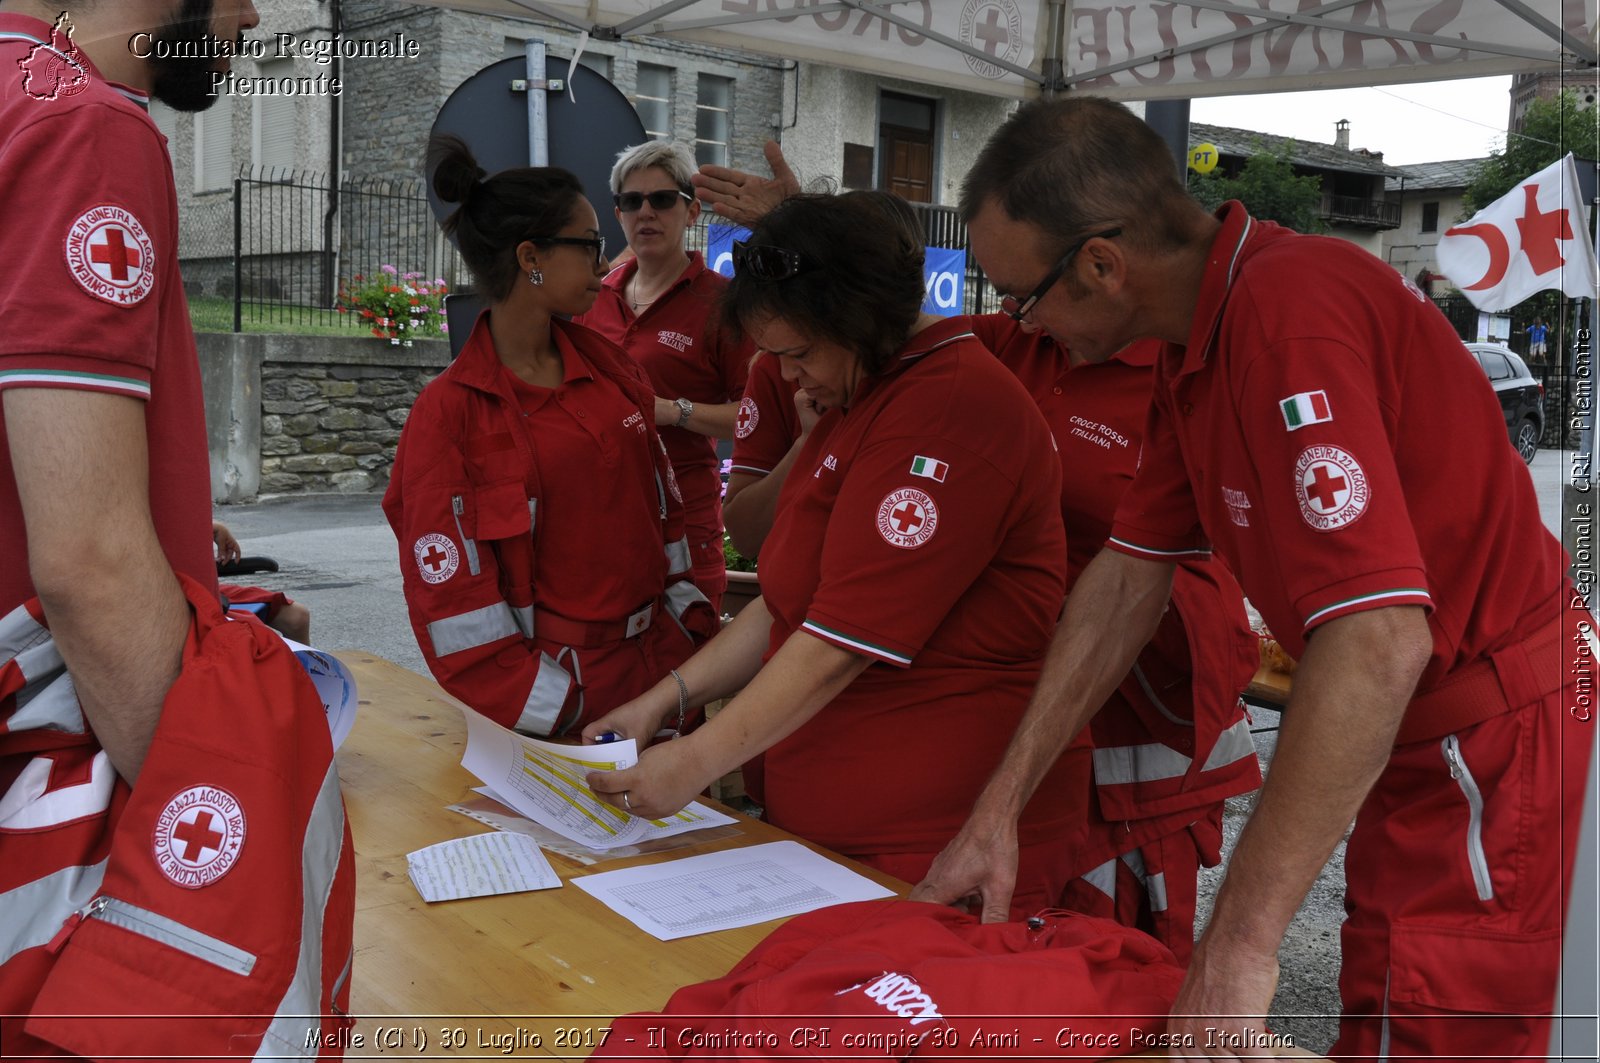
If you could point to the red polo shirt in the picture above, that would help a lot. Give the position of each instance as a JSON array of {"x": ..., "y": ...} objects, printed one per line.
[
  {"x": 768, "y": 423},
  {"x": 910, "y": 531},
  {"x": 676, "y": 341},
  {"x": 89, "y": 237},
  {"x": 1325, "y": 428},
  {"x": 1096, "y": 413}
]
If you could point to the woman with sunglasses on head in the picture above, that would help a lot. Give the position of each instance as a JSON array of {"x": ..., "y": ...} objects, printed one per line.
[
  {"x": 911, "y": 579},
  {"x": 658, "y": 306},
  {"x": 541, "y": 535}
]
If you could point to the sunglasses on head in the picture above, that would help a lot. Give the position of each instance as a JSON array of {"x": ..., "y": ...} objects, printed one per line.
[
  {"x": 768, "y": 263},
  {"x": 596, "y": 242},
  {"x": 664, "y": 199}
]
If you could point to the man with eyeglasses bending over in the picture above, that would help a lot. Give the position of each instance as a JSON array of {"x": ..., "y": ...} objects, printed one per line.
[{"x": 1297, "y": 410}]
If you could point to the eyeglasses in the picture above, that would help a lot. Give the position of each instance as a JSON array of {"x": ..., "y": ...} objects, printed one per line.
[
  {"x": 663, "y": 199},
  {"x": 768, "y": 263},
  {"x": 596, "y": 242},
  {"x": 1020, "y": 310}
]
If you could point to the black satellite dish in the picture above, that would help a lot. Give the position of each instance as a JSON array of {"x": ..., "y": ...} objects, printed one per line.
[{"x": 584, "y": 137}]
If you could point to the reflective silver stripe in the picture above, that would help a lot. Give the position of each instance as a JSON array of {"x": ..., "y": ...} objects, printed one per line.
[
  {"x": 468, "y": 631},
  {"x": 1233, "y": 744},
  {"x": 1119, "y": 765},
  {"x": 168, "y": 931},
  {"x": 31, "y": 914},
  {"x": 678, "y": 557},
  {"x": 1150, "y": 692},
  {"x": 52, "y": 704},
  {"x": 533, "y": 512},
  {"x": 30, "y": 804},
  {"x": 1155, "y": 886},
  {"x": 1104, "y": 878},
  {"x": 303, "y": 1004},
  {"x": 522, "y": 616},
  {"x": 661, "y": 490},
  {"x": 681, "y": 595},
  {"x": 19, "y": 633},
  {"x": 1469, "y": 789},
  {"x": 542, "y": 711}
]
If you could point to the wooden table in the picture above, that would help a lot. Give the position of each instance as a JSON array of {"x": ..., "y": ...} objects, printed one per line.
[
  {"x": 466, "y": 978},
  {"x": 525, "y": 975},
  {"x": 1270, "y": 686}
]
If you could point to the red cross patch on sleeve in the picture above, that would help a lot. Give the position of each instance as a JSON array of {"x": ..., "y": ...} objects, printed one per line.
[{"x": 110, "y": 255}]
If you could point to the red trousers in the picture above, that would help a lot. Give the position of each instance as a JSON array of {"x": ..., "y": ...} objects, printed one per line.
[
  {"x": 1153, "y": 886},
  {"x": 1041, "y": 872},
  {"x": 609, "y": 674},
  {"x": 1457, "y": 877}
]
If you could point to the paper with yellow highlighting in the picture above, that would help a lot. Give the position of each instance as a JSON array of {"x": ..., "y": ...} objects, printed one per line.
[{"x": 545, "y": 782}]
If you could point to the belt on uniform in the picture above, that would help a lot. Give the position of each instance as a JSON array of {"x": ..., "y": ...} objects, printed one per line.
[
  {"x": 587, "y": 634},
  {"x": 1509, "y": 678}
]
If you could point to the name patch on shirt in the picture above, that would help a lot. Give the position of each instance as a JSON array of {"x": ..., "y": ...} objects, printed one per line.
[
  {"x": 1331, "y": 487},
  {"x": 676, "y": 340},
  {"x": 1238, "y": 505},
  {"x": 907, "y": 518}
]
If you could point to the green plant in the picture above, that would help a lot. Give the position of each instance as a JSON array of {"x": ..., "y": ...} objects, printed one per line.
[
  {"x": 1269, "y": 188},
  {"x": 733, "y": 559},
  {"x": 397, "y": 306}
]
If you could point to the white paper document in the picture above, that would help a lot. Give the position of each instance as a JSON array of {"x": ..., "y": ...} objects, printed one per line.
[
  {"x": 720, "y": 891},
  {"x": 480, "y": 866},
  {"x": 545, "y": 782},
  {"x": 335, "y": 686}
]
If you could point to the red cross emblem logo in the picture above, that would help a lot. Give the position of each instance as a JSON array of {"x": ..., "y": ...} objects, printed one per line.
[
  {"x": 111, "y": 256},
  {"x": 907, "y": 518},
  {"x": 748, "y": 417},
  {"x": 1330, "y": 486},
  {"x": 993, "y": 27},
  {"x": 199, "y": 836},
  {"x": 437, "y": 557}
]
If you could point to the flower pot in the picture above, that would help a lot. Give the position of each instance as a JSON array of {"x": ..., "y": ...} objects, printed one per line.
[{"x": 743, "y": 588}]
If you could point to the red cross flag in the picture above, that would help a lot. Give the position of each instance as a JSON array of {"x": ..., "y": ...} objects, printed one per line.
[{"x": 1534, "y": 237}]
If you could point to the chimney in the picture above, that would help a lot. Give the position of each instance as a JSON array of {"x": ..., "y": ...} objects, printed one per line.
[{"x": 1341, "y": 134}]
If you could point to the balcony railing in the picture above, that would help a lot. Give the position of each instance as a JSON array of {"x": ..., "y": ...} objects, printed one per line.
[{"x": 1367, "y": 213}]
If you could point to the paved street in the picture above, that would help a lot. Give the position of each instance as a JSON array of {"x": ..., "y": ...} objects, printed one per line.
[{"x": 337, "y": 555}]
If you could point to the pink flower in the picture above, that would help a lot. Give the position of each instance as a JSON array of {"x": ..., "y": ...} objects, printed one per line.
[{"x": 389, "y": 269}]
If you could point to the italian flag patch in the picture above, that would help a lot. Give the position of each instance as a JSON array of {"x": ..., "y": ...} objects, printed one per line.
[
  {"x": 932, "y": 468},
  {"x": 1308, "y": 407}
]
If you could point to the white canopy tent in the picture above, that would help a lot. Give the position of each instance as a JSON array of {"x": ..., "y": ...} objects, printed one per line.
[{"x": 1133, "y": 49}]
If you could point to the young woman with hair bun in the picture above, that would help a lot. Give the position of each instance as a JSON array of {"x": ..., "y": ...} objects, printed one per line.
[{"x": 541, "y": 532}]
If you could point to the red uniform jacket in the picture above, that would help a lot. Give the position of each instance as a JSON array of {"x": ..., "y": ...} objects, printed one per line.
[
  {"x": 207, "y": 912},
  {"x": 464, "y": 503}
]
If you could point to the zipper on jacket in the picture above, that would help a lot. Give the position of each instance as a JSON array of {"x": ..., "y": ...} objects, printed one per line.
[
  {"x": 1469, "y": 789},
  {"x": 159, "y": 928},
  {"x": 458, "y": 507}
]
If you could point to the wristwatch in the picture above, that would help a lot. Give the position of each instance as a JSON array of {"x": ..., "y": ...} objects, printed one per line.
[{"x": 685, "y": 411}]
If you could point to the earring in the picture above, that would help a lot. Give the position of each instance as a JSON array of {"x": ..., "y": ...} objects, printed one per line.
[{"x": 536, "y": 275}]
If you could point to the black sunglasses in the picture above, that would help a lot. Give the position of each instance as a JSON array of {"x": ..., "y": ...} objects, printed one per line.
[
  {"x": 663, "y": 199},
  {"x": 1020, "y": 310},
  {"x": 596, "y": 242},
  {"x": 767, "y": 263}
]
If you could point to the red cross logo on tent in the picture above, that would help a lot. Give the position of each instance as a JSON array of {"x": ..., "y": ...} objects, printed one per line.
[
  {"x": 993, "y": 28},
  {"x": 748, "y": 417},
  {"x": 199, "y": 836},
  {"x": 907, "y": 518},
  {"x": 437, "y": 557},
  {"x": 111, "y": 256},
  {"x": 1330, "y": 486}
]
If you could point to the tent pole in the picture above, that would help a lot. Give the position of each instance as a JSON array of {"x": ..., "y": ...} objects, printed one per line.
[
  {"x": 1170, "y": 120},
  {"x": 1052, "y": 65}
]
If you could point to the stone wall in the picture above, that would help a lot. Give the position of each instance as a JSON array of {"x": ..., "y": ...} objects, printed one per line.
[{"x": 321, "y": 414}]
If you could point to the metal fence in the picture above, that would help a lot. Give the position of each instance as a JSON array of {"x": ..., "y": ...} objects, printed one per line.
[{"x": 297, "y": 236}]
